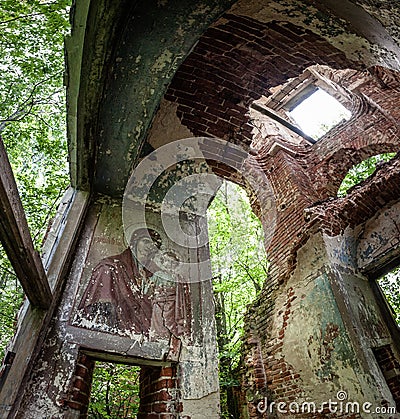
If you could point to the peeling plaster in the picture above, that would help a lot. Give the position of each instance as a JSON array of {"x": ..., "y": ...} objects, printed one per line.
[
  {"x": 308, "y": 17},
  {"x": 380, "y": 238},
  {"x": 322, "y": 352},
  {"x": 166, "y": 126}
]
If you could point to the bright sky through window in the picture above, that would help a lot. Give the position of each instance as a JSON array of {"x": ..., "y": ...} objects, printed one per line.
[{"x": 317, "y": 114}]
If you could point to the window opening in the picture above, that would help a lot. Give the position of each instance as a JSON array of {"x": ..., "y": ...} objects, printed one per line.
[
  {"x": 390, "y": 287},
  {"x": 239, "y": 267},
  {"x": 115, "y": 391},
  {"x": 316, "y": 112},
  {"x": 362, "y": 171},
  {"x": 389, "y": 295},
  {"x": 309, "y": 105}
]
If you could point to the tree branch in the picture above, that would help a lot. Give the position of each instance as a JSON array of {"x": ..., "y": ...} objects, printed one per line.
[
  {"x": 251, "y": 277},
  {"x": 10, "y": 272},
  {"x": 20, "y": 17},
  {"x": 46, "y": 219},
  {"x": 26, "y": 106}
]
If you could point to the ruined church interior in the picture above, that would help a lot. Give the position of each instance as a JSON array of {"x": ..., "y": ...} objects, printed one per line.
[{"x": 165, "y": 99}]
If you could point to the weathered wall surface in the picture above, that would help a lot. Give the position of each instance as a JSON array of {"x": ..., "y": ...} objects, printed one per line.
[
  {"x": 325, "y": 319},
  {"x": 253, "y": 47},
  {"x": 318, "y": 326},
  {"x": 379, "y": 241},
  {"x": 78, "y": 336}
]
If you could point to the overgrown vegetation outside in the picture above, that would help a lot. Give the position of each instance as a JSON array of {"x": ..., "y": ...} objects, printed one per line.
[
  {"x": 389, "y": 283},
  {"x": 362, "y": 171},
  {"x": 32, "y": 123},
  {"x": 115, "y": 391},
  {"x": 240, "y": 267}
]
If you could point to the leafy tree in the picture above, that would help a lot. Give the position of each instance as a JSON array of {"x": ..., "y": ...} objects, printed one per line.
[
  {"x": 115, "y": 391},
  {"x": 361, "y": 171},
  {"x": 239, "y": 269},
  {"x": 32, "y": 122},
  {"x": 390, "y": 286},
  {"x": 10, "y": 301}
]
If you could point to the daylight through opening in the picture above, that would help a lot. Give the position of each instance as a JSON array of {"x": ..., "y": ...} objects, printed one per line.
[
  {"x": 361, "y": 171},
  {"x": 390, "y": 286},
  {"x": 239, "y": 267},
  {"x": 318, "y": 113}
]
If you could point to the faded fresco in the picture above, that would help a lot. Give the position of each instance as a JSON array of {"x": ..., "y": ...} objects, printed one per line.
[{"x": 135, "y": 291}]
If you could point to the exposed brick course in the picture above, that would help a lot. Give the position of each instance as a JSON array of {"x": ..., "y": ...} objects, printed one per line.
[
  {"x": 237, "y": 62},
  {"x": 78, "y": 398},
  {"x": 390, "y": 367},
  {"x": 305, "y": 180},
  {"x": 159, "y": 394}
]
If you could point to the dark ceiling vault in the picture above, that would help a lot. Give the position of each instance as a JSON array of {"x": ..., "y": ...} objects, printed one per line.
[{"x": 210, "y": 62}]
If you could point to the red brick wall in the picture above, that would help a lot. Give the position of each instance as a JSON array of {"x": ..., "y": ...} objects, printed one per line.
[
  {"x": 301, "y": 180},
  {"x": 373, "y": 129},
  {"x": 159, "y": 394},
  {"x": 390, "y": 368},
  {"x": 79, "y": 396},
  {"x": 237, "y": 62}
]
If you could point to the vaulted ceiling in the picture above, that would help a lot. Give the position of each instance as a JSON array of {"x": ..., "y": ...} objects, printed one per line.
[{"x": 201, "y": 62}]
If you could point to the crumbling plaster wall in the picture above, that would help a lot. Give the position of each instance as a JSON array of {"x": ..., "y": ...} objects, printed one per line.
[
  {"x": 379, "y": 240},
  {"x": 153, "y": 39},
  {"x": 51, "y": 390},
  {"x": 315, "y": 332},
  {"x": 385, "y": 12},
  {"x": 253, "y": 47},
  {"x": 319, "y": 329},
  {"x": 318, "y": 319},
  {"x": 320, "y": 358}
]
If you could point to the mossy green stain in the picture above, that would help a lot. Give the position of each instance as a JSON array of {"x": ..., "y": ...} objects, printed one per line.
[{"x": 321, "y": 302}]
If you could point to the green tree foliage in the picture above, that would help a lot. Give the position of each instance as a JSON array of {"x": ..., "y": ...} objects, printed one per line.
[
  {"x": 239, "y": 267},
  {"x": 361, "y": 171},
  {"x": 32, "y": 122},
  {"x": 115, "y": 391},
  {"x": 10, "y": 301},
  {"x": 390, "y": 286}
]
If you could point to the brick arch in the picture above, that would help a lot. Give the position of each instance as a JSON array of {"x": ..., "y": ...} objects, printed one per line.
[
  {"x": 373, "y": 128},
  {"x": 345, "y": 159},
  {"x": 229, "y": 174},
  {"x": 234, "y": 63},
  {"x": 383, "y": 138},
  {"x": 371, "y": 196}
]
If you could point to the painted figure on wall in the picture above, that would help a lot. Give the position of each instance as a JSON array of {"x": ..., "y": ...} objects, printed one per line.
[
  {"x": 136, "y": 292},
  {"x": 170, "y": 298},
  {"x": 115, "y": 297}
]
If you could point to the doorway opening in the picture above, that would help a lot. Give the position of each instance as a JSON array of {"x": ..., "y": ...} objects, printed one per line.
[
  {"x": 109, "y": 388},
  {"x": 387, "y": 292},
  {"x": 115, "y": 391},
  {"x": 390, "y": 287},
  {"x": 318, "y": 113},
  {"x": 239, "y": 266}
]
